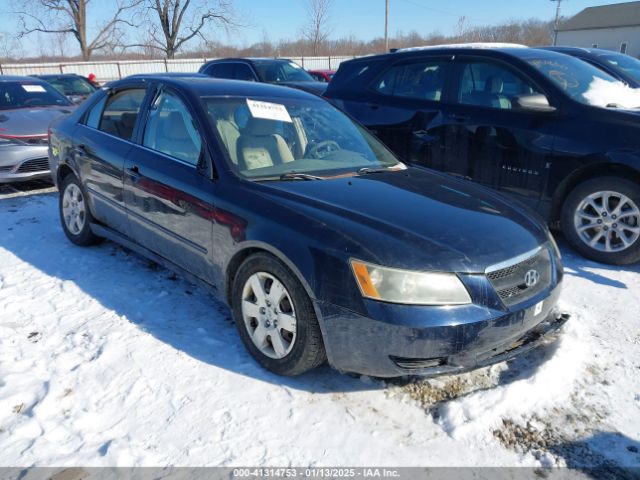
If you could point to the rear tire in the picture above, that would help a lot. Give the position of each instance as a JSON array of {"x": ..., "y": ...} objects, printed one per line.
[
  {"x": 275, "y": 317},
  {"x": 75, "y": 215},
  {"x": 601, "y": 220}
]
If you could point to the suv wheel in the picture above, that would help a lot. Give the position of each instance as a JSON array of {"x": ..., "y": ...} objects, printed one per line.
[
  {"x": 275, "y": 317},
  {"x": 601, "y": 219},
  {"x": 74, "y": 213}
]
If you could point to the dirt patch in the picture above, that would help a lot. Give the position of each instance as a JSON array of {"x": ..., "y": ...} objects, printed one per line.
[{"x": 431, "y": 392}]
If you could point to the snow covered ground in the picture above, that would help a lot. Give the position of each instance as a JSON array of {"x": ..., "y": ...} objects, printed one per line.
[{"x": 106, "y": 359}]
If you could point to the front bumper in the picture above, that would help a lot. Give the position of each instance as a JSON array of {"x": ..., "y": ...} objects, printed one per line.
[
  {"x": 410, "y": 345},
  {"x": 21, "y": 163}
]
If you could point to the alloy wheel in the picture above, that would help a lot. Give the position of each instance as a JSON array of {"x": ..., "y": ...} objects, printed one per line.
[
  {"x": 269, "y": 315},
  {"x": 607, "y": 221},
  {"x": 73, "y": 209}
]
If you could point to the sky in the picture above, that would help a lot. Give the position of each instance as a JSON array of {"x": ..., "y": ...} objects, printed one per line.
[{"x": 364, "y": 19}]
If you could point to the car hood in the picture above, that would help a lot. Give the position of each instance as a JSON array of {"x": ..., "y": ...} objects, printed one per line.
[
  {"x": 415, "y": 219},
  {"x": 30, "y": 121},
  {"x": 317, "y": 88}
]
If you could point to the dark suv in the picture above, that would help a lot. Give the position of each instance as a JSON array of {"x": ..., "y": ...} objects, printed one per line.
[
  {"x": 278, "y": 71},
  {"x": 543, "y": 127}
]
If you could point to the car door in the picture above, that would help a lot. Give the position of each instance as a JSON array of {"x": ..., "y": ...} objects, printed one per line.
[
  {"x": 168, "y": 187},
  {"x": 103, "y": 141},
  {"x": 491, "y": 140},
  {"x": 404, "y": 109}
]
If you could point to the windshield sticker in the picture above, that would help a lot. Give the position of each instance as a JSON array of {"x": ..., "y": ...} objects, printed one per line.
[
  {"x": 33, "y": 88},
  {"x": 269, "y": 111}
]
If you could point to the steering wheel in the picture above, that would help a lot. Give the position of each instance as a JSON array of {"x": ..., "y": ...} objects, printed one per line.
[{"x": 324, "y": 148}]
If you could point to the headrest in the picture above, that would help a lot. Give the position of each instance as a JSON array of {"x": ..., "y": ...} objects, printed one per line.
[
  {"x": 493, "y": 85},
  {"x": 174, "y": 127},
  {"x": 261, "y": 127}
]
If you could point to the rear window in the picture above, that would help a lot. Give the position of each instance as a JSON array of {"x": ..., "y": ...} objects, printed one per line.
[
  {"x": 29, "y": 94},
  {"x": 418, "y": 80}
]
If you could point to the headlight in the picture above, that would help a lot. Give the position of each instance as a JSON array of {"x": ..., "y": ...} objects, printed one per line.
[{"x": 409, "y": 287}]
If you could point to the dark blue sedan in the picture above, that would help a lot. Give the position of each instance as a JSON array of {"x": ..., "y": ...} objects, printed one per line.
[{"x": 322, "y": 243}]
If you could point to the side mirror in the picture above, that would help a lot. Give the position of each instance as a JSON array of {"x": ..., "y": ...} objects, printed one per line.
[{"x": 535, "y": 102}]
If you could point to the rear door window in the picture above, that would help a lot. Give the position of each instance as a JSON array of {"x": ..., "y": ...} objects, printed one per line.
[
  {"x": 221, "y": 70},
  {"x": 244, "y": 72},
  {"x": 121, "y": 113},
  {"x": 487, "y": 84},
  {"x": 424, "y": 80}
]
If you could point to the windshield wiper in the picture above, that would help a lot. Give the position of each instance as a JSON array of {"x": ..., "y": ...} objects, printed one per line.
[{"x": 299, "y": 176}]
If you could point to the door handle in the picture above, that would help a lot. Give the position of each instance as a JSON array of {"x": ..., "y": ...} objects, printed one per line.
[
  {"x": 373, "y": 106},
  {"x": 133, "y": 173}
]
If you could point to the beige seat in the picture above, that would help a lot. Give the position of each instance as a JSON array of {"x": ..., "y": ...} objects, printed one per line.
[
  {"x": 229, "y": 132},
  {"x": 260, "y": 146}
]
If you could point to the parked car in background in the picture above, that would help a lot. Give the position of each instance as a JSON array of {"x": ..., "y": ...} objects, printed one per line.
[
  {"x": 323, "y": 244},
  {"x": 322, "y": 75},
  {"x": 278, "y": 71},
  {"x": 75, "y": 87},
  {"x": 546, "y": 128},
  {"x": 27, "y": 107},
  {"x": 620, "y": 66}
]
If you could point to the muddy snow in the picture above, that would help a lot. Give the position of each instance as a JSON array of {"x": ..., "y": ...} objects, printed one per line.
[{"x": 107, "y": 359}]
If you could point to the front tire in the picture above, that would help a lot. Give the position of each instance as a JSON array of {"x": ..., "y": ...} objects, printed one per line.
[
  {"x": 75, "y": 216},
  {"x": 601, "y": 220},
  {"x": 275, "y": 317}
]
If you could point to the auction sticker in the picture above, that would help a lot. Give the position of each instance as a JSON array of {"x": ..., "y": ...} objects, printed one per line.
[
  {"x": 33, "y": 88},
  {"x": 269, "y": 111}
]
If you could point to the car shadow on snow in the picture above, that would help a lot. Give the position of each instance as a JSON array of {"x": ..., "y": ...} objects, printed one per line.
[
  {"x": 602, "y": 456},
  {"x": 578, "y": 266}
]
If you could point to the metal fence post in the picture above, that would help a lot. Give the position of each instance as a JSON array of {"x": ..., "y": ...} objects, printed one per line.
[
  {"x": 166, "y": 66},
  {"x": 302, "y": 60},
  {"x": 1, "y": 72},
  {"x": 119, "y": 72},
  {"x": 60, "y": 68}
]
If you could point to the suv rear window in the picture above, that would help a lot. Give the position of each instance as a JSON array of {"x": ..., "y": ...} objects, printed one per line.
[{"x": 420, "y": 80}]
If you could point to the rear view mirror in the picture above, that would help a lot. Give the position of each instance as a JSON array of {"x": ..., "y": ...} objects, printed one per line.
[{"x": 535, "y": 102}]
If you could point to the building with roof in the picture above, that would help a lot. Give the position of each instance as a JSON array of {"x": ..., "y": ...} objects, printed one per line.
[{"x": 612, "y": 27}]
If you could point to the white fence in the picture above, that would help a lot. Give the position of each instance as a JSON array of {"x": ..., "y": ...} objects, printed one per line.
[{"x": 106, "y": 71}]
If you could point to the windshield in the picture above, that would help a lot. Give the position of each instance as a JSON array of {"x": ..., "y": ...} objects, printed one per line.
[
  {"x": 585, "y": 83},
  {"x": 71, "y": 85},
  {"x": 625, "y": 63},
  {"x": 269, "y": 137},
  {"x": 277, "y": 71},
  {"x": 29, "y": 94}
]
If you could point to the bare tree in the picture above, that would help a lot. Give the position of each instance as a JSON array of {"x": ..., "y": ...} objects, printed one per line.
[
  {"x": 175, "y": 22},
  {"x": 71, "y": 17},
  {"x": 317, "y": 30}
]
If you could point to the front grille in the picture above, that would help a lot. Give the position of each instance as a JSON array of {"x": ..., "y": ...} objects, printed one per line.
[
  {"x": 35, "y": 165},
  {"x": 6, "y": 169},
  {"x": 36, "y": 140},
  {"x": 510, "y": 281}
]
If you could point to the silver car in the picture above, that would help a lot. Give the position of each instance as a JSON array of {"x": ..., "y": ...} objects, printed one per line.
[{"x": 27, "y": 107}]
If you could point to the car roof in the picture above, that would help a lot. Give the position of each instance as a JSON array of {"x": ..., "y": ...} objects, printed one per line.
[
  {"x": 249, "y": 59},
  {"x": 169, "y": 75},
  {"x": 589, "y": 51},
  {"x": 203, "y": 85},
  {"x": 56, "y": 75},
  {"x": 17, "y": 78},
  {"x": 499, "y": 50}
]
